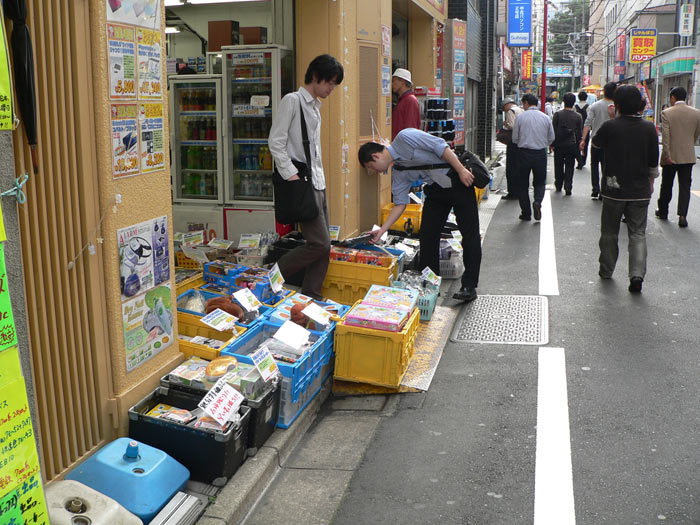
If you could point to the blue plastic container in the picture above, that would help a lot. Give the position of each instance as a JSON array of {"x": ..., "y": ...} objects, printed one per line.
[
  {"x": 142, "y": 479},
  {"x": 222, "y": 272},
  {"x": 210, "y": 295},
  {"x": 273, "y": 315}
]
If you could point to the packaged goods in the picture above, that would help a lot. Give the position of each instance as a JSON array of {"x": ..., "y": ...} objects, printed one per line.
[
  {"x": 388, "y": 297},
  {"x": 193, "y": 302},
  {"x": 374, "y": 258},
  {"x": 377, "y": 317},
  {"x": 343, "y": 254},
  {"x": 220, "y": 366},
  {"x": 189, "y": 373}
]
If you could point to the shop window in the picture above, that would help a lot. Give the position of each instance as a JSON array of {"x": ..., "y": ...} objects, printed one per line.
[{"x": 369, "y": 88}]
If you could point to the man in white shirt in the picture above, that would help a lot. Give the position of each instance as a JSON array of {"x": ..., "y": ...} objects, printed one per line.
[{"x": 322, "y": 76}]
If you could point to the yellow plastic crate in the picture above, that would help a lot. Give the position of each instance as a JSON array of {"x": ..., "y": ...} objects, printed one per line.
[
  {"x": 377, "y": 357},
  {"x": 348, "y": 282},
  {"x": 192, "y": 282},
  {"x": 412, "y": 211},
  {"x": 191, "y": 326},
  {"x": 183, "y": 261}
]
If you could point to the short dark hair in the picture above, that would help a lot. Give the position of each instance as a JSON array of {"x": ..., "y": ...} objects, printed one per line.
[
  {"x": 582, "y": 95},
  {"x": 530, "y": 99},
  {"x": 549, "y": 99},
  {"x": 324, "y": 67},
  {"x": 679, "y": 93},
  {"x": 628, "y": 99},
  {"x": 609, "y": 90},
  {"x": 569, "y": 100},
  {"x": 364, "y": 155}
]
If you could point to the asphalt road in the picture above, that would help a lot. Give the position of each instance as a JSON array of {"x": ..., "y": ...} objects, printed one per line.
[{"x": 465, "y": 451}]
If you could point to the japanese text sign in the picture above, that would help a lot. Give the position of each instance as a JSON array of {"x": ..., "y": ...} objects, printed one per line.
[
  {"x": 222, "y": 401},
  {"x": 642, "y": 45},
  {"x": 519, "y": 23},
  {"x": 526, "y": 65}
]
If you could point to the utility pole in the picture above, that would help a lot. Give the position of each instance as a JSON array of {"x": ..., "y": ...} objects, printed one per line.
[{"x": 544, "y": 58}]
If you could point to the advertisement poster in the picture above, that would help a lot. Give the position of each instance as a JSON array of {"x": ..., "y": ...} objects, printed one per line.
[
  {"x": 122, "y": 58},
  {"x": 149, "y": 49},
  {"x": 7, "y": 118},
  {"x": 148, "y": 325},
  {"x": 125, "y": 140},
  {"x": 642, "y": 45},
  {"x": 458, "y": 107},
  {"x": 144, "y": 13},
  {"x": 519, "y": 23},
  {"x": 459, "y": 132},
  {"x": 386, "y": 41},
  {"x": 526, "y": 68},
  {"x": 8, "y": 336},
  {"x": 386, "y": 81},
  {"x": 144, "y": 257},
  {"x": 152, "y": 137},
  {"x": 459, "y": 83}
]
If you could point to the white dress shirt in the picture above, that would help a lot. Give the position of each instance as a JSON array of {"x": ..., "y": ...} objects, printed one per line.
[{"x": 285, "y": 139}]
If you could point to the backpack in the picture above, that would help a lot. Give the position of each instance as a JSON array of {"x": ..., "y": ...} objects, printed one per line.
[{"x": 582, "y": 111}]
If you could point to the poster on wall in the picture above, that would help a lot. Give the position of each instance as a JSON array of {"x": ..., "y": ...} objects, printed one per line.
[
  {"x": 152, "y": 137},
  {"x": 149, "y": 53},
  {"x": 122, "y": 57},
  {"x": 148, "y": 325},
  {"x": 125, "y": 151},
  {"x": 7, "y": 118},
  {"x": 459, "y": 83},
  {"x": 459, "y": 132},
  {"x": 386, "y": 41},
  {"x": 458, "y": 107},
  {"x": 8, "y": 336},
  {"x": 144, "y": 256},
  {"x": 144, "y": 13},
  {"x": 386, "y": 81}
]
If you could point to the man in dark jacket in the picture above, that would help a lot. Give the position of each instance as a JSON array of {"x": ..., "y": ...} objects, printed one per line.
[
  {"x": 581, "y": 108},
  {"x": 631, "y": 155},
  {"x": 568, "y": 127}
]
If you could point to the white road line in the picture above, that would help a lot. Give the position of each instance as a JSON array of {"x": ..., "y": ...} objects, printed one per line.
[
  {"x": 549, "y": 281},
  {"x": 554, "y": 487}
]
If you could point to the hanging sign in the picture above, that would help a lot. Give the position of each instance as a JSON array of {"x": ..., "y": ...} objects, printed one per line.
[
  {"x": 152, "y": 142},
  {"x": 686, "y": 18},
  {"x": 642, "y": 45},
  {"x": 122, "y": 57},
  {"x": 149, "y": 61},
  {"x": 519, "y": 23},
  {"x": 526, "y": 67},
  {"x": 125, "y": 141},
  {"x": 7, "y": 117}
]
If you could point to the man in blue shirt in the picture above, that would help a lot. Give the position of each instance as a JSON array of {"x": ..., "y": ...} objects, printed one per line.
[
  {"x": 446, "y": 189},
  {"x": 533, "y": 133}
]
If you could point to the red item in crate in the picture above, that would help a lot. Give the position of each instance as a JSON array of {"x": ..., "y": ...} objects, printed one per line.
[
  {"x": 373, "y": 258},
  {"x": 343, "y": 254}
]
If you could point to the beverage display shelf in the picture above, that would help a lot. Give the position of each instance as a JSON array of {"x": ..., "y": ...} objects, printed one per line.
[
  {"x": 199, "y": 170},
  {"x": 252, "y": 80},
  {"x": 249, "y": 141},
  {"x": 198, "y": 143},
  {"x": 199, "y": 113}
]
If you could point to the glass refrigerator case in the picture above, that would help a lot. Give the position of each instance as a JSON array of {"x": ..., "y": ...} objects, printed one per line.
[
  {"x": 255, "y": 78},
  {"x": 195, "y": 138}
]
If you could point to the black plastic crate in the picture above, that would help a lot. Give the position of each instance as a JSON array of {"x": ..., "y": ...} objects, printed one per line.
[
  {"x": 263, "y": 417},
  {"x": 211, "y": 457}
]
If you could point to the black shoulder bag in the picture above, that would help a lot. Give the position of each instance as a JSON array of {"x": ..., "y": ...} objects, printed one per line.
[
  {"x": 294, "y": 199},
  {"x": 468, "y": 160}
]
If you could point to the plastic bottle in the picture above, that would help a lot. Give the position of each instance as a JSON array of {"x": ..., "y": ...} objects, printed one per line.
[
  {"x": 254, "y": 158},
  {"x": 267, "y": 164},
  {"x": 261, "y": 158},
  {"x": 245, "y": 185},
  {"x": 191, "y": 160},
  {"x": 241, "y": 158}
]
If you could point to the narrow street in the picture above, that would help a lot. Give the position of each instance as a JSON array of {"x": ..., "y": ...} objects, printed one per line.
[{"x": 487, "y": 444}]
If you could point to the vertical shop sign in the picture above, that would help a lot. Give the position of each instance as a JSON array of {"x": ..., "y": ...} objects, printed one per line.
[
  {"x": 621, "y": 44},
  {"x": 386, "y": 41},
  {"x": 685, "y": 22},
  {"x": 144, "y": 13},
  {"x": 440, "y": 55},
  {"x": 122, "y": 57},
  {"x": 143, "y": 256},
  {"x": 519, "y": 23},
  {"x": 8, "y": 336},
  {"x": 7, "y": 117},
  {"x": 148, "y": 325},
  {"x": 526, "y": 61},
  {"x": 125, "y": 150},
  {"x": 642, "y": 45},
  {"x": 459, "y": 68},
  {"x": 149, "y": 53},
  {"x": 152, "y": 140}
]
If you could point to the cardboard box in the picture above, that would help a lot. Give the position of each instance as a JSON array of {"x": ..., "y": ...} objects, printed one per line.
[
  {"x": 223, "y": 33},
  {"x": 253, "y": 35}
]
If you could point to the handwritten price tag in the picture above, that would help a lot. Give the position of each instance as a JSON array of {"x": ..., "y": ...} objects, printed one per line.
[
  {"x": 265, "y": 363},
  {"x": 222, "y": 401},
  {"x": 247, "y": 300}
]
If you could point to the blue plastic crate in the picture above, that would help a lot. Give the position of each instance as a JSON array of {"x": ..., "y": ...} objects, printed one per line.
[
  {"x": 210, "y": 295},
  {"x": 290, "y": 410},
  {"x": 222, "y": 272},
  {"x": 301, "y": 373}
]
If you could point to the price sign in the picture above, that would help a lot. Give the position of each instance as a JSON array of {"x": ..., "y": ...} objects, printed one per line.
[
  {"x": 125, "y": 140},
  {"x": 318, "y": 314},
  {"x": 250, "y": 240},
  {"x": 276, "y": 279},
  {"x": 265, "y": 363},
  {"x": 152, "y": 137},
  {"x": 125, "y": 88},
  {"x": 260, "y": 101},
  {"x": 220, "y": 320},
  {"x": 247, "y": 300},
  {"x": 122, "y": 58},
  {"x": 192, "y": 238},
  {"x": 429, "y": 275},
  {"x": 292, "y": 334},
  {"x": 248, "y": 111},
  {"x": 195, "y": 254},
  {"x": 456, "y": 234},
  {"x": 220, "y": 243},
  {"x": 412, "y": 242},
  {"x": 222, "y": 401},
  {"x": 455, "y": 245},
  {"x": 149, "y": 57},
  {"x": 334, "y": 232}
]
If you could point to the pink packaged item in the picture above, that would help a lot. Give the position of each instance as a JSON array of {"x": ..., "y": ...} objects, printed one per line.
[
  {"x": 391, "y": 297},
  {"x": 377, "y": 317}
]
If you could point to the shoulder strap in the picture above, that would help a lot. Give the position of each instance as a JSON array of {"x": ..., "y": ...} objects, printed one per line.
[
  {"x": 419, "y": 167},
  {"x": 304, "y": 133}
]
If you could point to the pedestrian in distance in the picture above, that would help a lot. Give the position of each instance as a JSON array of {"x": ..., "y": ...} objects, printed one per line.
[
  {"x": 445, "y": 189},
  {"x": 630, "y": 148},
  {"x": 549, "y": 107},
  {"x": 532, "y": 133},
  {"x": 287, "y": 146},
  {"x": 568, "y": 127},
  {"x": 512, "y": 111},
  {"x": 406, "y": 113},
  {"x": 582, "y": 109},
  {"x": 680, "y": 129},
  {"x": 598, "y": 113}
]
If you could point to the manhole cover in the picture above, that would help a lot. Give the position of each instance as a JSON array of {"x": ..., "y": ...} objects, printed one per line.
[{"x": 504, "y": 319}]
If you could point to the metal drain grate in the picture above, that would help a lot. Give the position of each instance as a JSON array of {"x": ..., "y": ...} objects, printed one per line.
[{"x": 504, "y": 319}]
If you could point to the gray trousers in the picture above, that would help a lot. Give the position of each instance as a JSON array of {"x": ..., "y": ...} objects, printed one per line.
[
  {"x": 314, "y": 255},
  {"x": 636, "y": 215}
]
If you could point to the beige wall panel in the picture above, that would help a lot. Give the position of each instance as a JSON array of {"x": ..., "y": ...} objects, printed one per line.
[
  {"x": 422, "y": 59},
  {"x": 369, "y": 20},
  {"x": 439, "y": 14}
]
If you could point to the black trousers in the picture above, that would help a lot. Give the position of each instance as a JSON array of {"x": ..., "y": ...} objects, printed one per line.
[
  {"x": 534, "y": 160},
  {"x": 564, "y": 160},
  {"x": 581, "y": 156},
  {"x": 597, "y": 158},
  {"x": 512, "y": 168},
  {"x": 438, "y": 203},
  {"x": 668, "y": 173}
]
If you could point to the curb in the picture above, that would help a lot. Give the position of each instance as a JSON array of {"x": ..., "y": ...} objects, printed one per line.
[{"x": 242, "y": 491}]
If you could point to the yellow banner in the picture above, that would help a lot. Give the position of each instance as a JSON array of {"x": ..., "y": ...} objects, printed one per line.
[{"x": 7, "y": 116}]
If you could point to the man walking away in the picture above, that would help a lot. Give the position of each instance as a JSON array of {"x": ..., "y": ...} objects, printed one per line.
[
  {"x": 406, "y": 113},
  {"x": 631, "y": 152},
  {"x": 680, "y": 128},
  {"x": 597, "y": 115},
  {"x": 568, "y": 127},
  {"x": 549, "y": 108},
  {"x": 512, "y": 110},
  {"x": 532, "y": 133},
  {"x": 582, "y": 109},
  {"x": 322, "y": 76}
]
